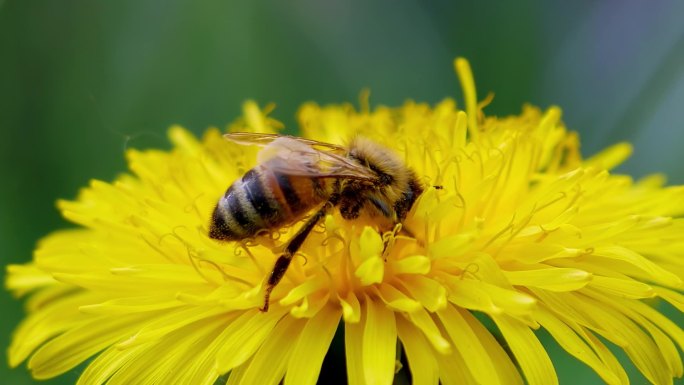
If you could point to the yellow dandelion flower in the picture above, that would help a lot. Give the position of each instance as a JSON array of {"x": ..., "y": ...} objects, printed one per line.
[{"x": 513, "y": 225}]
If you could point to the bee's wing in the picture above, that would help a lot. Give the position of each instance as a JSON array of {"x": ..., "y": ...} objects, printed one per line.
[
  {"x": 321, "y": 164},
  {"x": 257, "y": 139},
  {"x": 296, "y": 156}
]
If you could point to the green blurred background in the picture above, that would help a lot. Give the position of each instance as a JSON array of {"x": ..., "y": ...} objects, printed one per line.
[{"x": 82, "y": 80}]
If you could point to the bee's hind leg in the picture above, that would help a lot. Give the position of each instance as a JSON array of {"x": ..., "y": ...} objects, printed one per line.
[{"x": 283, "y": 262}]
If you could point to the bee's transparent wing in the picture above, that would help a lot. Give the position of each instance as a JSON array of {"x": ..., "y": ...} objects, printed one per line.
[
  {"x": 298, "y": 157},
  {"x": 257, "y": 139}
]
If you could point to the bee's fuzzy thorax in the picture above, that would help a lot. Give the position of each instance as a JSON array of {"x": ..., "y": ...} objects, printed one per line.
[{"x": 385, "y": 162}]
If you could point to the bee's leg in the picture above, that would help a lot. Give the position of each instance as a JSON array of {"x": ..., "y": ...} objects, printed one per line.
[{"x": 293, "y": 245}]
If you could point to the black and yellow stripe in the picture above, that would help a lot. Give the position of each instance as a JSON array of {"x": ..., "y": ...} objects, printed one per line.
[{"x": 263, "y": 199}]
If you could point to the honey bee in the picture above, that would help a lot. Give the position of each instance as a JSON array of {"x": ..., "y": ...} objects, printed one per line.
[{"x": 297, "y": 176}]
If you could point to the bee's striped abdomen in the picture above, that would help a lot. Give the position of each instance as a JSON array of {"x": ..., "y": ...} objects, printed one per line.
[{"x": 262, "y": 199}]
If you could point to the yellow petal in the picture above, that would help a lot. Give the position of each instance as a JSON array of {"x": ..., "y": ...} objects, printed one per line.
[
  {"x": 269, "y": 363},
  {"x": 489, "y": 298},
  {"x": 451, "y": 246},
  {"x": 132, "y": 305},
  {"x": 415, "y": 264},
  {"x": 429, "y": 293},
  {"x": 396, "y": 299},
  {"x": 42, "y": 325},
  {"x": 79, "y": 343},
  {"x": 379, "y": 344},
  {"x": 656, "y": 272},
  {"x": 22, "y": 279},
  {"x": 610, "y": 157},
  {"x": 106, "y": 364},
  {"x": 177, "y": 348},
  {"x": 672, "y": 329},
  {"x": 424, "y": 369},
  {"x": 554, "y": 279},
  {"x": 370, "y": 243},
  {"x": 475, "y": 355},
  {"x": 623, "y": 287},
  {"x": 305, "y": 288},
  {"x": 351, "y": 308},
  {"x": 640, "y": 348},
  {"x": 529, "y": 352},
  {"x": 353, "y": 349},
  {"x": 452, "y": 370},
  {"x": 370, "y": 271},
  {"x": 244, "y": 336},
  {"x": 314, "y": 340},
  {"x": 574, "y": 345},
  {"x": 671, "y": 296},
  {"x": 166, "y": 323},
  {"x": 424, "y": 322},
  {"x": 465, "y": 75}
]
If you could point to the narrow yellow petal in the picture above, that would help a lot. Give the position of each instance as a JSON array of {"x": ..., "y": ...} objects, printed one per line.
[
  {"x": 370, "y": 271},
  {"x": 573, "y": 308},
  {"x": 607, "y": 357},
  {"x": 529, "y": 352},
  {"x": 610, "y": 157},
  {"x": 79, "y": 343},
  {"x": 451, "y": 245},
  {"x": 415, "y": 264},
  {"x": 668, "y": 326},
  {"x": 666, "y": 346},
  {"x": 554, "y": 279},
  {"x": 676, "y": 299},
  {"x": 235, "y": 375},
  {"x": 460, "y": 131},
  {"x": 255, "y": 119},
  {"x": 623, "y": 287},
  {"x": 305, "y": 288},
  {"x": 465, "y": 75},
  {"x": 379, "y": 344},
  {"x": 370, "y": 243},
  {"x": 502, "y": 362},
  {"x": 663, "y": 341},
  {"x": 424, "y": 369},
  {"x": 46, "y": 297},
  {"x": 475, "y": 355},
  {"x": 205, "y": 370},
  {"x": 640, "y": 348},
  {"x": 452, "y": 370},
  {"x": 269, "y": 363},
  {"x": 182, "y": 138},
  {"x": 351, "y": 308},
  {"x": 532, "y": 253},
  {"x": 574, "y": 345},
  {"x": 106, "y": 364},
  {"x": 179, "y": 350},
  {"x": 368, "y": 247},
  {"x": 428, "y": 292},
  {"x": 166, "y": 323},
  {"x": 22, "y": 279},
  {"x": 656, "y": 272},
  {"x": 132, "y": 305},
  {"x": 353, "y": 349},
  {"x": 43, "y": 324},
  {"x": 314, "y": 340},
  {"x": 396, "y": 299},
  {"x": 425, "y": 323},
  {"x": 478, "y": 295},
  {"x": 246, "y": 334}
]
